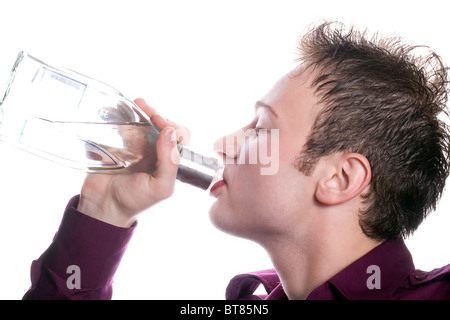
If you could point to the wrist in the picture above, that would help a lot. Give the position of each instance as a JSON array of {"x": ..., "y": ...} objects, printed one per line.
[{"x": 105, "y": 211}]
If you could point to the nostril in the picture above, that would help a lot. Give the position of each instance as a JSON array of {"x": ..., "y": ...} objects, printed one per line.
[
  {"x": 229, "y": 146},
  {"x": 218, "y": 146}
]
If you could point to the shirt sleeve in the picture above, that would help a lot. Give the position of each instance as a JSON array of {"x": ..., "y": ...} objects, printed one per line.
[{"x": 82, "y": 259}]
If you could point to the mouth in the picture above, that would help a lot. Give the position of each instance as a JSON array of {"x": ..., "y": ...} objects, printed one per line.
[{"x": 214, "y": 191}]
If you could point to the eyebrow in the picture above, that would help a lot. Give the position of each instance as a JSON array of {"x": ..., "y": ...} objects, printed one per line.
[{"x": 260, "y": 104}]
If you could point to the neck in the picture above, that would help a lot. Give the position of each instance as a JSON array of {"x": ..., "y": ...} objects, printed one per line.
[{"x": 304, "y": 263}]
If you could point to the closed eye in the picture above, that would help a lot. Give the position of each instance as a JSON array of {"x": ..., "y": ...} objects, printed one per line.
[{"x": 257, "y": 131}]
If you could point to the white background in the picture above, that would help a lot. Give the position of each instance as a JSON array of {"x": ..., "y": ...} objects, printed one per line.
[{"x": 202, "y": 64}]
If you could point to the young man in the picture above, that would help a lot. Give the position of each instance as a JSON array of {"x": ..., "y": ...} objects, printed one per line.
[{"x": 362, "y": 159}]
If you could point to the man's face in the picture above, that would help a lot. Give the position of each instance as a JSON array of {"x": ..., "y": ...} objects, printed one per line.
[{"x": 257, "y": 201}]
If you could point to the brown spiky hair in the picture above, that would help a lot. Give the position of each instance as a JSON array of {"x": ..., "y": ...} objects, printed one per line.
[{"x": 382, "y": 100}]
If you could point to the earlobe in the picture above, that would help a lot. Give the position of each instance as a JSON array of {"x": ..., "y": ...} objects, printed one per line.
[{"x": 345, "y": 177}]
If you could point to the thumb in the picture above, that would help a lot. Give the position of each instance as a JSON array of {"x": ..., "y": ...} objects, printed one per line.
[{"x": 168, "y": 159}]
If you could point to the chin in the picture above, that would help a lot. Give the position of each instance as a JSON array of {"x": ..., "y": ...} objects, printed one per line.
[
  {"x": 221, "y": 218},
  {"x": 217, "y": 216},
  {"x": 230, "y": 222}
]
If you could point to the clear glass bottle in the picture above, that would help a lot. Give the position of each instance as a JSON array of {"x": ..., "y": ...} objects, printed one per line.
[{"x": 83, "y": 123}]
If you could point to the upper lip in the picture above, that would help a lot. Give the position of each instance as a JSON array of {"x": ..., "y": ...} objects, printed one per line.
[{"x": 224, "y": 175}]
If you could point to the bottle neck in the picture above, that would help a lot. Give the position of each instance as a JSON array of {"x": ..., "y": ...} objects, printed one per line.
[{"x": 198, "y": 170}]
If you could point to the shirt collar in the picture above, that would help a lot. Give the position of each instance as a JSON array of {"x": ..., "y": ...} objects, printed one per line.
[{"x": 388, "y": 264}]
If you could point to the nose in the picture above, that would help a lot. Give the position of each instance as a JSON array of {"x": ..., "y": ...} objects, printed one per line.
[{"x": 229, "y": 146}]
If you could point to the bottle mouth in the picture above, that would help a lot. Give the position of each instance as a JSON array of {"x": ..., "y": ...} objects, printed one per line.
[
  {"x": 10, "y": 81},
  {"x": 196, "y": 169}
]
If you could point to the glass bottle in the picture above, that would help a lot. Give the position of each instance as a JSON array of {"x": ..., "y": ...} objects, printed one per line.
[{"x": 83, "y": 123}]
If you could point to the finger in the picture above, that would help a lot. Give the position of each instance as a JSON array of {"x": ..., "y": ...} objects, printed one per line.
[
  {"x": 183, "y": 136},
  {"x": 149, "y": 110},
  {"x": 168, "y": 159},
  {"x": 161, "y": 122},
  {"x": 182, "y": 133}
]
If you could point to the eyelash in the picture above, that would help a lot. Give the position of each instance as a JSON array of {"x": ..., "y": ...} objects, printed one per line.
[{"x": 255, "y": 131}]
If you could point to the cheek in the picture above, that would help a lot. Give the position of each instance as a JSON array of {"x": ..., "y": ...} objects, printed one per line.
[
  {"x": 240, "y": 208},
  {"x": 247, "y": 187},
  {"x": 253, "y": 205},
  {"x": 255, "y": 201}
]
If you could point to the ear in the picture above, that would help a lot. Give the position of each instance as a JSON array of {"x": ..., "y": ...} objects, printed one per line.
[{"x": 345, "y": 176}]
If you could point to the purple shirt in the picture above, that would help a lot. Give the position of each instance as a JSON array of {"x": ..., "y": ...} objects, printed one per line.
[
  {"x": 385, "y": 273},
  {"x": 95, "y": 247},
  {"x": 86, "y": 252}
]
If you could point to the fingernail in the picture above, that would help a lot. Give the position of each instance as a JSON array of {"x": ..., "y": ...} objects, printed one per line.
[{"x": 170, "y": 137}]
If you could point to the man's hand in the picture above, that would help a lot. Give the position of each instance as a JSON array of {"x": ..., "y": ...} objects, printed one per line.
[{"x": 118, "y": 199}]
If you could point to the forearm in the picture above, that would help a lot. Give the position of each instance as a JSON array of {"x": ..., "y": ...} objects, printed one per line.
[{"x": 82, "y": 259}]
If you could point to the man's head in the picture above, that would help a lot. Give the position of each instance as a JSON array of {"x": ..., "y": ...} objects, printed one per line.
[
  {"x": 379, "y": 99},
  {"x": 358, "y": 130}
]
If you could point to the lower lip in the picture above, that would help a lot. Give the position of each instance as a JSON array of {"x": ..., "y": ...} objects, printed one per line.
[{"x": 215, "y": 187}]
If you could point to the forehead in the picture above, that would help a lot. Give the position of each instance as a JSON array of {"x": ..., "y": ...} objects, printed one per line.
[{"x": 293, "y": 98}]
